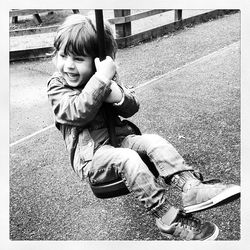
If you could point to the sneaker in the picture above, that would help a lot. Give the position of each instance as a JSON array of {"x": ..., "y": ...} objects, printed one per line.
[
  {"x": 202, "y": 195},
  {"x": 177, "y": 224}
]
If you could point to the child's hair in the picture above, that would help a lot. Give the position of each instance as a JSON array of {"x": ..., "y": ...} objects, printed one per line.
[{"x": 78, "y": 36}]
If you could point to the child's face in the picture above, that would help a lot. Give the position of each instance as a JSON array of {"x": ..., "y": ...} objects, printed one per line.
[{"x": 76, "y": 70}]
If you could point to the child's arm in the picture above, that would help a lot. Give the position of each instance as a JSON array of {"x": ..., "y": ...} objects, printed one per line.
[
  {"x": 74, "y": 106},
  {"x": 105, "y": 72},
  {"x": 124, "y": 101},
  {"x": 77, "y": 107},
  {"x": 128, "y": 105}
]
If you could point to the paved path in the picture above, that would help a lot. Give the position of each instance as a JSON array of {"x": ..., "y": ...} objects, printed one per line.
[{"x": 194, "y": 102}]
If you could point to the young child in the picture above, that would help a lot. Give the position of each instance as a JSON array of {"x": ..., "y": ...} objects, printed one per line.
[{"x": 77, "y": 92}]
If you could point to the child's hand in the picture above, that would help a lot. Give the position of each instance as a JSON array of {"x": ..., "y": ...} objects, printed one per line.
[
  {"x": 116, "y": 94},
  {"x": 106, "y": 68}
]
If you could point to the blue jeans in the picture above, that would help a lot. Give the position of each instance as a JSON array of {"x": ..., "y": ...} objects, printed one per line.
[{"x": 109, "y": 163}]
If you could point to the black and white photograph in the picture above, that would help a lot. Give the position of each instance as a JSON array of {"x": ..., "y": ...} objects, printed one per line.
[{"x": 126, "y": 125}]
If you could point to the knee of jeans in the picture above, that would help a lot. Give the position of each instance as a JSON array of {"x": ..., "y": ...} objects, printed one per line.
[
  {"x": 153, "y": 137},
  {"x": 131, "y": 161},
  {"x": 154, "y": 141},
  {"x": 129, "y": 155}
]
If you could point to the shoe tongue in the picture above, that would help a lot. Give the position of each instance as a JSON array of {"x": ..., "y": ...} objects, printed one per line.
[
  {"x": 189, "y": 184},
  {"x": 169, "y": 217}
]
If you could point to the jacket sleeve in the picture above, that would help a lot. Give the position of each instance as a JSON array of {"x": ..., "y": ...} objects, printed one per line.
[
  {"x": 130, "y": 104},
  {"x": 73, "y": 106}
]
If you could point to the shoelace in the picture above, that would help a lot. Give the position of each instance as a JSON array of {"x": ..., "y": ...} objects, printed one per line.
[
  {"x": 188, "y": 221},
  {"x": 199, "y": 176}
]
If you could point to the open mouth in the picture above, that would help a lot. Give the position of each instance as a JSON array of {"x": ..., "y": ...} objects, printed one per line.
[{"x": 72, "y": 76}]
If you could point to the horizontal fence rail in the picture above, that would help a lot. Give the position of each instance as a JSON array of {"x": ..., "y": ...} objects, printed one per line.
[{"x": 130, "y": 18}]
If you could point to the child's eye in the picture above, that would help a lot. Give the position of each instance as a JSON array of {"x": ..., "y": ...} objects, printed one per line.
[
  {"x": 79, "y": 59},
  {"x": 62, "y": 55}
]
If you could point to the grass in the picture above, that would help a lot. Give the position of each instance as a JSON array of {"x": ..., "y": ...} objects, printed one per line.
[{"x": 48, "y": 19}]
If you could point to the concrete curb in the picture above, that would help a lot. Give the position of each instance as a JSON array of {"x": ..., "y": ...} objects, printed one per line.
[
  {"x": 45, "y": 52},
  {"x": 30, "y": 54}
]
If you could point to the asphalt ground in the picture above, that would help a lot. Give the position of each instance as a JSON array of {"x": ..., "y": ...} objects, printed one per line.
[{"x": 189, "y": 87}]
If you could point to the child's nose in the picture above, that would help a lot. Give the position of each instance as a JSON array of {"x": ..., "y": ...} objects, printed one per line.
[{"x": 69, "y": 63}]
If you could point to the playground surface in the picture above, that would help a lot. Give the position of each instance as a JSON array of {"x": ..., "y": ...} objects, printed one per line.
[{"x": 188, "y": 84}]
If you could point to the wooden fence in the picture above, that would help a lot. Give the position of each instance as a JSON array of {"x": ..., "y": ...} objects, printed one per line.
[{"x": 122, "y": 21}]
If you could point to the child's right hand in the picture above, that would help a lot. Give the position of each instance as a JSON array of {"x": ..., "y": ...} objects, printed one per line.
[{"x": 106, "y": 68}]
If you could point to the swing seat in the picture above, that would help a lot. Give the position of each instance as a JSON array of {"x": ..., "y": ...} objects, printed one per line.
[
  {"x": 110, "y": 189},
  {"x": 117, "y": 187}
]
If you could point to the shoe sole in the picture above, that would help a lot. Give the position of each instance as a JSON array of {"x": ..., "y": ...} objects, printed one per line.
[
  {"x": 215, "y": 234},
  {"x": 229, "y": 192},
  {"x": 212, "y": 237}
]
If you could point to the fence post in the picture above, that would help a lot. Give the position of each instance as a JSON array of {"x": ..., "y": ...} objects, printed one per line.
[
  {"x": 124, "y": 29},
  {"x": 177, "y": 15},
  {"x": 14, "y": 19},
  {"x": 38, "y": 18},
  {"x": 76, "y": 11}
]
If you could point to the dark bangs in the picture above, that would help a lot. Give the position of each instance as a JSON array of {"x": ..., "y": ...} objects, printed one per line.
[
  {"x": 77, "y": 36},
  {"x": 77, "y": 41}
]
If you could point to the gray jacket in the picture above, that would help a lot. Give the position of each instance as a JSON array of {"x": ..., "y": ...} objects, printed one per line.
[{"x": 79, "y": 112}]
